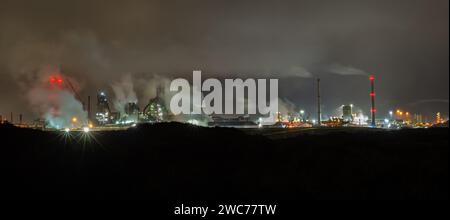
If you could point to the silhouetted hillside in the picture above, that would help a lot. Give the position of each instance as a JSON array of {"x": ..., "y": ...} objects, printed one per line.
[{"x": 177, "y": 161}]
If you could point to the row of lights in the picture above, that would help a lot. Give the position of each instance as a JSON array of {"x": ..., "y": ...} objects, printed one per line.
[{"x": 85, "y": 130}]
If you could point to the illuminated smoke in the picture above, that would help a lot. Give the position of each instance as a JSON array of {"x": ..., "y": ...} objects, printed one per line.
[
  {"x": 148, "y": 86},
  {"x": 54, "y": 100},
  {"x": 299, "y": 71},
  {"x": 68, "y": 109},
  {"x": 346, "y": 70},
  {"x": 285, "y": 106},
  {"x": 124, "y": 93}
]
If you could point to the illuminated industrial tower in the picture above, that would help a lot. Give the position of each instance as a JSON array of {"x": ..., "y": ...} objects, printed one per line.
[{"x": 373, "y": 110}]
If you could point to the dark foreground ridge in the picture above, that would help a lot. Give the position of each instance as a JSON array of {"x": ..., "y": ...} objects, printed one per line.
[{"x": 175, "y": 161}]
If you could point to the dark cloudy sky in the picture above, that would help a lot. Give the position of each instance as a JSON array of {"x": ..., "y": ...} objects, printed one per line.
[{"x": 403, "y": 42}]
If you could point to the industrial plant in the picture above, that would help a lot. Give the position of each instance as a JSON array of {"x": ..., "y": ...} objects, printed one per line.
[{"x": 100, "y": 114}]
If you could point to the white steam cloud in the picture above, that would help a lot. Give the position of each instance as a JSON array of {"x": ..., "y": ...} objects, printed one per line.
[
  {"x": 124, "y": 93},
  {"x": 346, "y": 70},
  {"x": 299, "y": 71},
  {"x": 56, "y": 103}
]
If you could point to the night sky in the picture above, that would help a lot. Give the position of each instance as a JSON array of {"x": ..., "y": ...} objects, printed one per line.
[{"x": 405, "y": 43}]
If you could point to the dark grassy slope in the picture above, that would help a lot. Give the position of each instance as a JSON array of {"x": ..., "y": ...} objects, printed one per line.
[{"x": 173, "y": 161}]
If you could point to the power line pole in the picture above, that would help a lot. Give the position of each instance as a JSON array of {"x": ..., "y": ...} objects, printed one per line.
[{"x": 319, "y": 113}]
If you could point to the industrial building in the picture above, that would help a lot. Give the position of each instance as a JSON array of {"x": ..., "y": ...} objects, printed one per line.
[
  {"x": 347, "y": 113},
  {"x": 155, "y": 110},
  {"x": 104, "y": 115}
]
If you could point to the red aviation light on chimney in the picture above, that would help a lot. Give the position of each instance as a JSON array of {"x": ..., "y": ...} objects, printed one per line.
[
  {"x": 56, "y": 82},
  {"x": 373, "y": 110},
  {"x": 372, "y": 94},
  {"x": 52, "y": 80},
  {"x": 372, "y": 78}
]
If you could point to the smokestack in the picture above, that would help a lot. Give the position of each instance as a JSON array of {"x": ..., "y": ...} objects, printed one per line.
[
  {"x": 319, "y": 116},
  {"x": 373, "y": 110},
  {"x": 12, "y": 119},
  {"x": 159, "y": 91},
  {"x": 20, "y": 118},
  {"x": 89, "y": 108}
]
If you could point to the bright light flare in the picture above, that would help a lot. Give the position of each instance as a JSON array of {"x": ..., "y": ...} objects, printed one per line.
[
  {"x": 56, "y": 80},
  {"x": 86, "y": 129}
]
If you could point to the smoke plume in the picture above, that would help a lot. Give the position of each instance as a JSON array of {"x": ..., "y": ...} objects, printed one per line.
[
  {"x": 53, "y": 99},
  {"x": 124, "y": 93},
  {"x": 346, "y": 70}
]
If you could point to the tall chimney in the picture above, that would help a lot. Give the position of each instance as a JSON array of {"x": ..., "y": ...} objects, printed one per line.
[
  {"x": 20, "y": 118},
  {"x": 89, "y": 108},
  {"x": 12, "y": 119},
  {"x": 319, "y": 114},
  {"x": 373, "y": 110}
]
